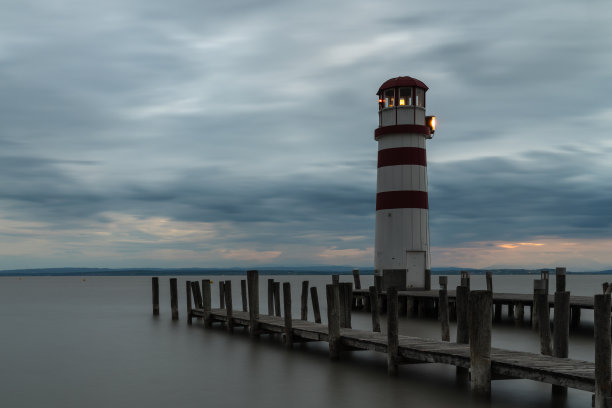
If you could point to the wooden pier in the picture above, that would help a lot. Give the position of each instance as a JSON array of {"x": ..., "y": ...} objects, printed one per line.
[{"x": 472, "y": 353}]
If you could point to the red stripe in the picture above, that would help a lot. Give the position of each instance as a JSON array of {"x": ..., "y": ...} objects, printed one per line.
[
  {"x": 401, "y": 199},
  {"x": 398, "y": 156},
  {"x": 389, "y": 130}
]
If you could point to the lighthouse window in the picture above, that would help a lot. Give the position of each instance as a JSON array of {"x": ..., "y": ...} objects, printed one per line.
[
  {"x": 389, "y": 98},
  {"x": 419, "y": 97},
  {"x": 405, "y": 96}
]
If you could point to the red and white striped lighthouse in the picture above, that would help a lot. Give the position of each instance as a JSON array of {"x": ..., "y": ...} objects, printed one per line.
[{"x": 402, "y": 219}]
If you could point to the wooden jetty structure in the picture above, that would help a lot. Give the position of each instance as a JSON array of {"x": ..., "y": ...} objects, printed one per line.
[{"x": 472, "y": 353}]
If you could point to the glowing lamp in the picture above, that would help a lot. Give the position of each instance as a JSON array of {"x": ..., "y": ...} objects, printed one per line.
[{"x": 431, "y": 123}]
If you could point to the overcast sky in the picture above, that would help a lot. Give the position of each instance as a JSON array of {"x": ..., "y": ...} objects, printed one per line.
[{"x": 150, "y": 133}]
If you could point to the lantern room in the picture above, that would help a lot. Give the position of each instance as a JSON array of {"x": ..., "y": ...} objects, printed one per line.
[{"x": 401, "y": 101}]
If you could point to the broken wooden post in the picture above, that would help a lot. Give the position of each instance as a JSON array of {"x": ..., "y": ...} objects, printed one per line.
[
  {"x": 443, "y": 308},
  {"x": 287, "y": 308},
  {"x": 253, "y": 291},
  {"x": 277, "y": 306},
  {"x": 174, "y": 299},
  {"x": 304, "y": 308},
  {"x": 243, "y": 293},
  {"x": 229, "y": 307},
  {"x": 155, "y": 287},
  {"x": 333, "y": 319},
  {"x": 188, "y": 285},
  {"x": 314, "y": 296},
  {"x": 541, "y": 298},
  {"x": 602, "y": 349},
  {"x": 270, "y": 297},
  {"x": 480, "y": 302},
  {"x": 206, "y": 301},
  {"x": 392, "y": 331},
  {"x": 375, "y": 309}
]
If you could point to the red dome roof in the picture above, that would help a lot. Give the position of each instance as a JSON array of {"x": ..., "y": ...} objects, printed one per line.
[{"x": 402, "y": 81}]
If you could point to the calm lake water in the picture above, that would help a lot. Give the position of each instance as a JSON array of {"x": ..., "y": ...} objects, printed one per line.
[{"x": 66, "y": 342}]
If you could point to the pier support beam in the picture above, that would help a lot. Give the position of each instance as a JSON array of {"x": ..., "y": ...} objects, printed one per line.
[
  {"x": 243, "y": 293},
  {"x": 346, "y": 300},
  {"x": 188, "y": 287},
  {"x": 333, "y": 318},
  {"x": 480, "y": 302},
  {"x": 253, "y": 289},
  {"x": 463, "y": 330},
  {"x": 392, "y": 331},
  {"x": 304, "y": 306},
  {"x": 229, "y": 307},
  {"x": 287, "y": 309},
  {"x": 206, "y": 302},
  {"x": 155, "y": 287},
  {"x": 443, "y": 308},
  {"x": 314, "y": 296},
  {"x": 543, "y": 312},
  {"x": 375, "y": 309},
  {"x": 358, "y": 302},
  {"x": 270, "y": 297},
  {"x": 277, "y": 306},
  {"x": 602, "y": 349},
  {"x": 561, "y": 333},
  {"x": 174, "y": 298}
]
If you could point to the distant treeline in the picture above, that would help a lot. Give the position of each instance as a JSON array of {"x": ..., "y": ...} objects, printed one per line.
[{"x": 313, "y": 270}]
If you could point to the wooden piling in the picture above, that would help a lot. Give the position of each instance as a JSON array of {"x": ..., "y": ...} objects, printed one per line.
[
  {"x": 375, "y": 309},
  {"x": 206, "y": 301},
  {"x": 498, "y": 312},
  {"x": 489, "y": 277},
  {"x": 335, "y": 279},
  {"x": 277, "y": 302},
  {"x": 541, "y": 297},
  {"x": 243, "y": 293},
  {"x": 333, "y": 319},
  {"x": 188, "y": 287},
  {"x": 427, "y": 279},
  {"x": 392, "y": 331},
  {"x": 602, "y": 349},
  {"x": 304, "y": 308},
  {"x": 346, "y": 300},
  {"x": 287, "y": 309},
  {"x": 519, "y": 316},
  {"x": 465, "y": 279},
  {"x": 253, "y": 292},
  {"x": 480, "y": 302},
  {"x": 378, "y": 283},
  {"x": 155, "y": 287},
  {"x": 561, "y": 331},
  {"x": 197, "y": 295},
  {"x": 463, "y": 330},
  {"x": 560, "y": 279},
  {"x": 229, "y": 308},
  {"x": 314, "y": 296},
  {"x": 443, "y": 308},
  {"x": 358, "y": 301},
  {"x": 221, "y": 295},
  {"x": 270, "y": 297},
  {"x": 174, "y": 299}
]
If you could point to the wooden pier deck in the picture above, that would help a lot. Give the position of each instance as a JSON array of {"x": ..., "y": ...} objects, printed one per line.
[{"x": 505, "y": 364}]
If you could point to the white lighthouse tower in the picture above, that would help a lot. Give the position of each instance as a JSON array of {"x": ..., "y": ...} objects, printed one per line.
[{"x": 402, "y": 208}]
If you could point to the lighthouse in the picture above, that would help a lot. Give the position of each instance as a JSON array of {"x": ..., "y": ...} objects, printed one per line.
[{"x": 402, "y": 206}]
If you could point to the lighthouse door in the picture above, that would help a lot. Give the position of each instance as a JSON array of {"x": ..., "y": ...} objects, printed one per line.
[{"x": 415, "y": 269}]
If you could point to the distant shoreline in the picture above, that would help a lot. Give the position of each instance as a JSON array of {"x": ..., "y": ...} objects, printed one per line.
[{"x": 263, "y": 271}]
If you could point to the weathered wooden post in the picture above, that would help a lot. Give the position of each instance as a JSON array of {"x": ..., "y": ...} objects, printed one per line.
[
  {"x": 489, "y": 277},
  {"x": 221, "y": 294},
  {"x": 197, "y": 295},
  {"x": 155, "y": 287},
  {"x": 335, "y": 279},
  {"x": 243, "y": 293},
  {"x": 346, "y": 299},
  {"x": 375, "y": 309},
  {"x": 188, "y": 285},
  {"x": 519, "y": 316},
  {"x": 277, "y": 302},
  {"x": 378, "y": 283},
  {"x": 333, "y": 319},
  {"x": 314, "y": 296},
  {"x": 270, "y": 297},
  {"x": 602, "y": 349},
  {"x": 174, "y": 298},
  {"x": 463, "y": 328},
  {"x": 443, "y": 308},
  {"x": 253, "y": 289},
  {"x": 480, "y": 302},
  {"x": 229, "y": 308},
  {"x": 206, "y": 302},
  {"x": 465, "y": 279},
  {"x": 561, "y": 324},
  {"x": 392, "y": 331},
  {"x": 287, "y": 307},
  {"x": 304, "y": 308},
  {"x": 541, "y": 299},
  {"x": 358, "y": 300}
]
